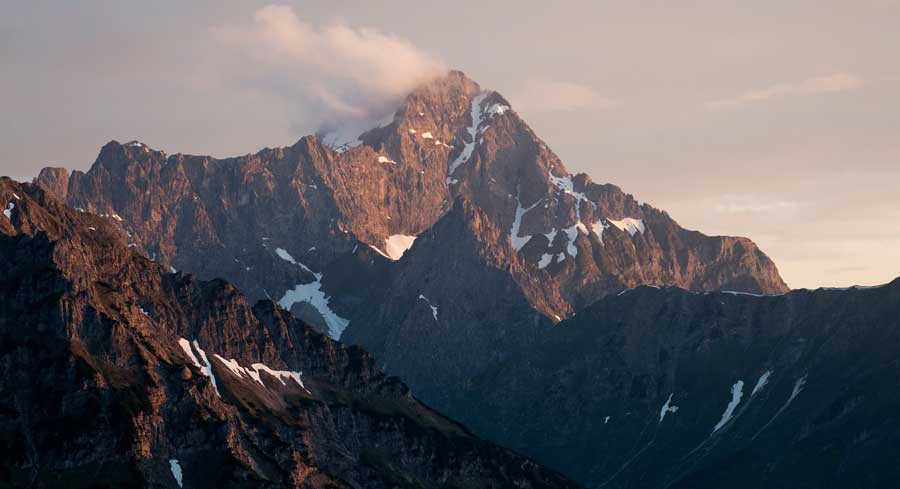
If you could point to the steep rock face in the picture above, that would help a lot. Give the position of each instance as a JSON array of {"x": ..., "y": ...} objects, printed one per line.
[
  {"x": 440, "y": 343},
  {"x": 116, "y": 373},
  {"x": 449, "y": 138},
  {"x": 669, "y": 388},
  {"x": 321, "y": 230}
]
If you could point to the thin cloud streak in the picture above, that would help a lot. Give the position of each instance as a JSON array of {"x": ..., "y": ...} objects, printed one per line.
[
  {"x": 836, "y": 83},
  {"x": 546, "y": 95}
]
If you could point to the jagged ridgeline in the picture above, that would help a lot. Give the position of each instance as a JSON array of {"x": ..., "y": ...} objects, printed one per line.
[
  {"x": 440, "y": 241},
  {"x": 116, "y": 372},
  {"x": 555, "y": 315}
]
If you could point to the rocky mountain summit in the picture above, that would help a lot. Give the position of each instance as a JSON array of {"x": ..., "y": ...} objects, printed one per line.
[
  {"x": 116, "y": 372},
  {"x": 452, "y": 230},
  {"x": 555, "y": 315},
  {"x": 443, "y": 241}
]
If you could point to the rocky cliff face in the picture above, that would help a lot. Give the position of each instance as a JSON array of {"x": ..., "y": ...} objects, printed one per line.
[
  {"x": 504, "y": 240},
  {"x": 669, "y": 388},
  {"x": 115, "y": 372}
]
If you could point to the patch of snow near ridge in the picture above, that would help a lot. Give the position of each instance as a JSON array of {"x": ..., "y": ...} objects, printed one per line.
[
  {"x": 497, "y": 109},
  {"x": 572, "y": 235},
  {"x": 8, "y": 211},
  {"x": 427, "y": 135},
  {"x": 598, "y": 228},
  {"x": 629, "y": 225},
  {"x": 798, "y": 386},
  {"x": 175, "y": 467},
  {"x": 313, "y": 294},
  {"x": 566, "y": 185},
  {"x": 434, "y": 309},
  {"x": 385, "y": 159},
  {"x": 256, "y": 368},
  {"x": 284, "y": 255},
  {"x": 761, "y": 383},
  {"x": 473, "y": 131},
  {"x": 545, "y": 260},
  {"x": 737, "y": 391},
  {"x": 395, "y": 246},
  {"x": 667, "y": 408},
  {"x": 206, "y": 368},
  {"x": 519, "y": 241}
]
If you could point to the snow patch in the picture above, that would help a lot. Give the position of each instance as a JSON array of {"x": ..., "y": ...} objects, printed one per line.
[
  {"x": 629, "y": 225},
  {"x": 598, "y": 228},
  {"x": 256, "y": 368},
  {"x": 798, "y": 386},
  {"x": 566, "y": 185},
  {"x": 8, "y": 211},
  {"x": 606, "y": 420},
  {"x": 761, "y": 383},
  {"x": 434, "y": 309},
  {"x": 519, "y": 241},
  {"x": 467, "y": 150},
  {"x": 172, "y": 269},
  {"x": 737, "y": 392},
  {"x": 313, "y": 294},
  {"x": 206, "y": 367},
  {"x": 497, "y": 109},
  {"x": 175, "y": 467},
  {"x": 385, "y": 159},
  {"x": 545, "y": 260},
  {"x": 572, "y": 234},
  {"x": 427, "y": 135},
  {"x": 284, "y": 255},
  {"x": 667, "y": 408},
  {"x": 395, "y": 245}
]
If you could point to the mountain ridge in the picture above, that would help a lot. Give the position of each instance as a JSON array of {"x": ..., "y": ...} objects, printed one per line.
[
  {"x": 119, "y": 373},
  {"x": 505, "y": 242}
]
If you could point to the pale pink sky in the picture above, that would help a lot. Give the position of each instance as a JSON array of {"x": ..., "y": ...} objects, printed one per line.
[{"x": 775, "y": 120}]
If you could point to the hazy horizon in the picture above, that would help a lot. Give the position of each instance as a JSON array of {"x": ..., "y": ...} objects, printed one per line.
[{"x": 776, "y": 122}]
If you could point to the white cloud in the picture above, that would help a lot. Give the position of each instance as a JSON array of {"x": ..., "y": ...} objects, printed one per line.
[
  {"x": 838, "y": 82},
  {"x": 545, "y": 95},
  {"x": 335, "y": 75}
]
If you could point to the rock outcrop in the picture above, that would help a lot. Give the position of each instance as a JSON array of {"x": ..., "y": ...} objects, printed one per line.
[
  {"x": 115, "y": 372},
  {"x": 442, "y": 242},
  {"x": 666, "y": 388}
]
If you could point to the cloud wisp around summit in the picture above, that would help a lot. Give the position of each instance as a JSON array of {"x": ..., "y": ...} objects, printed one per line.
[
  {"x": 838, "y": 82},
  {"x": 337, "y": 74}
]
